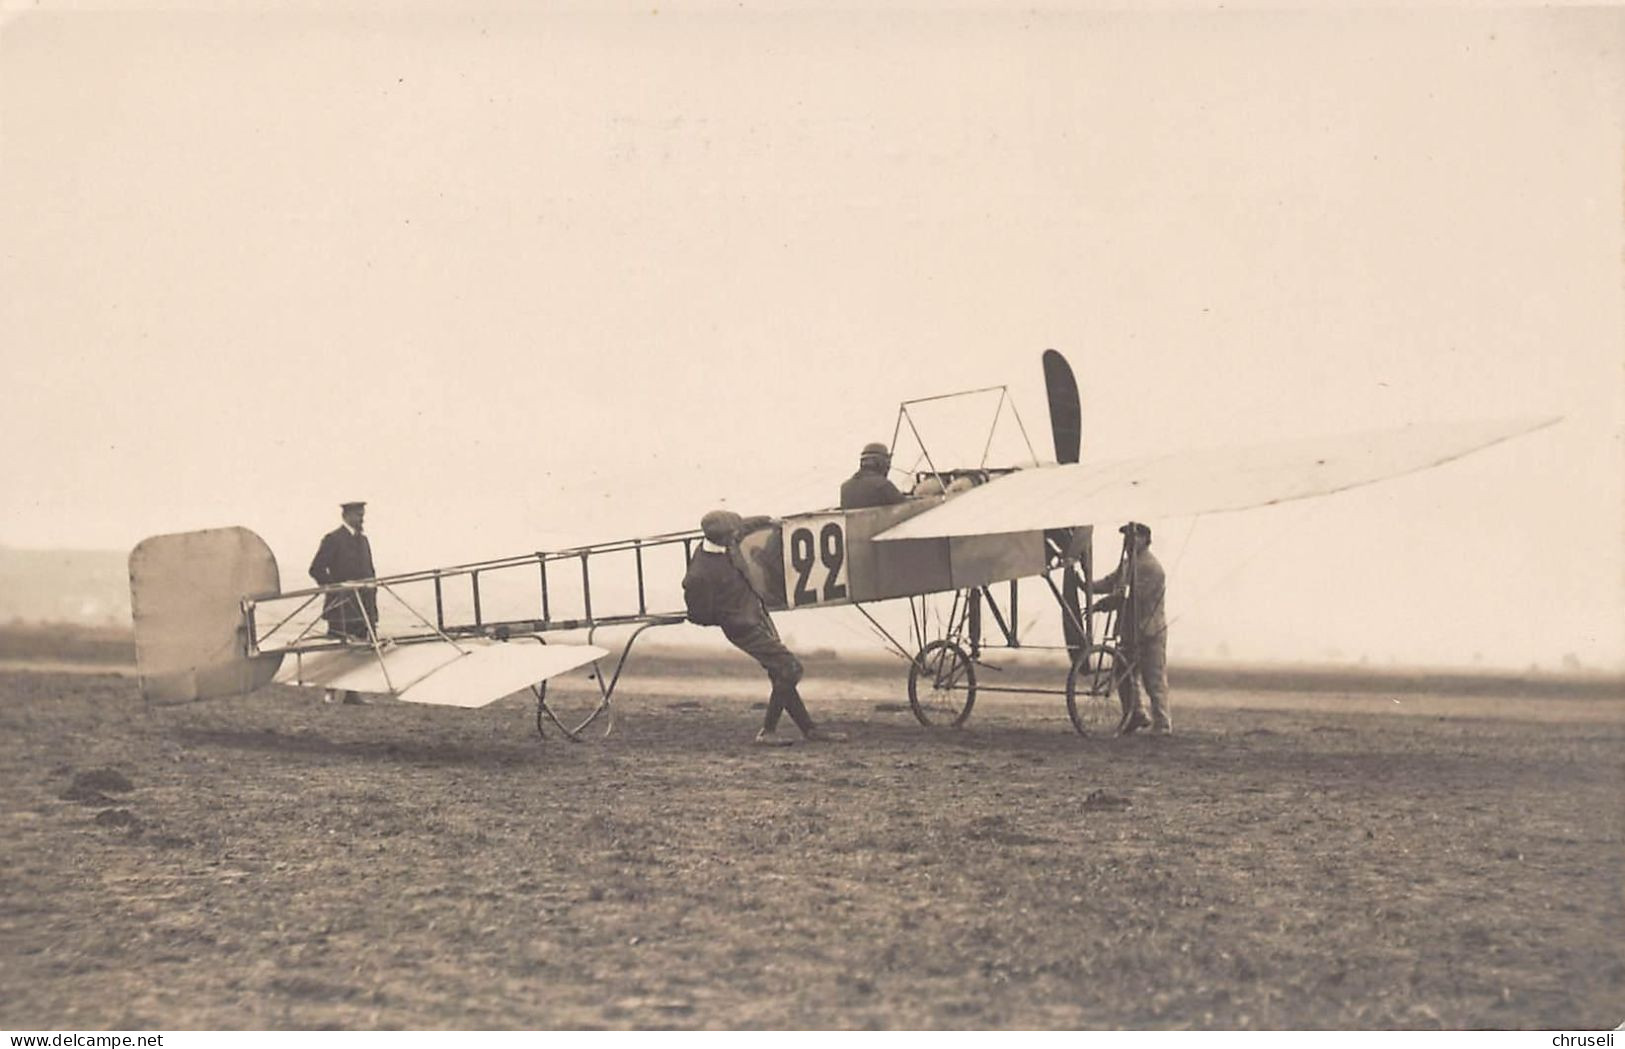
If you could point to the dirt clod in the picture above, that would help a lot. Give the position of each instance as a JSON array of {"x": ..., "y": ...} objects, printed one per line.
[
  {"x": 1100, "y": 801},
  {"x": 86, "y": 796},
  {"x": 103, "y": 779},
  {"x": 122, "y": 818}
]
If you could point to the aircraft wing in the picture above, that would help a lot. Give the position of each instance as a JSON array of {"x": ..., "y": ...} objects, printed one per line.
[
  {"x": 1201, "y": 482},
  {"x": 468, "y": 673}
]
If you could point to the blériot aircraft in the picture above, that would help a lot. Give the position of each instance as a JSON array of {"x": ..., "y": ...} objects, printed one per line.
[{"x": 211, "y": 619}]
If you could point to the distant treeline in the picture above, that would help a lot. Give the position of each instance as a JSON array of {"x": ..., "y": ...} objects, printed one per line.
[
  {"x": 89, "y": 587},
  {"x": 67, "y": 643},
  {"x": 77, "y": 643},
  {"x": 1048, "y": 669},
  {"x": 1408, "y": 681}
]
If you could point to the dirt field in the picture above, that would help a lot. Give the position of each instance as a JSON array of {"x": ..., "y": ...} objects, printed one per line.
[{"x": 1286, "y": 861}]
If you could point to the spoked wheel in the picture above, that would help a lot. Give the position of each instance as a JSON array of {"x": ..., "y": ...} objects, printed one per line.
[
  {"x": 1091, "y": 691},
  {"x": 941, "y": 685}
]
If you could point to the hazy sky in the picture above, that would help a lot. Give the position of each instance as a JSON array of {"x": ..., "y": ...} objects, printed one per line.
[{"x": 520, "y": 278}]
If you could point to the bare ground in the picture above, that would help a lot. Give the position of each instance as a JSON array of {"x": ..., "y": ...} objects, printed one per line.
[{"x": 1285, "y": 861}]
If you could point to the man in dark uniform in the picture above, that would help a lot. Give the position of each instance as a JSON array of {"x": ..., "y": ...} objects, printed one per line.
[
  {"x": 718, "y": 593},
  {"x": 345, "y": 554},
  {"x": 870, "y": 486},
  {"x": 1138, "y": 588}
]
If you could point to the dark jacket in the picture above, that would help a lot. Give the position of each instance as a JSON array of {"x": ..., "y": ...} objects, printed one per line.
[
  {"x": 716, "y": 591},
  {"x": 868, "y": 488},
  {"x": 341, "y": 558}
]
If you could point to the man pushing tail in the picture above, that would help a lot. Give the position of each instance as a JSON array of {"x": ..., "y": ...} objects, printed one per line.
[{"x": 718, "y": 593}]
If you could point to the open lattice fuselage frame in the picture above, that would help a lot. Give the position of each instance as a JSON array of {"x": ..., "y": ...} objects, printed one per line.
[{"x": 455, "y": 601}]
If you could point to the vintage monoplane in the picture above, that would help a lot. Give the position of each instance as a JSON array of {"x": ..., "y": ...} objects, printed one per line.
[{"x": 211, "y": 619}]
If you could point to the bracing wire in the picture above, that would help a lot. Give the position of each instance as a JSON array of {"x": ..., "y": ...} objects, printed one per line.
[{"x": 1229, "y": 576}]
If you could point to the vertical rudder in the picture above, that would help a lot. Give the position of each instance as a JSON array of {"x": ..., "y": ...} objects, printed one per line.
[{"x": 186, "y": 593}]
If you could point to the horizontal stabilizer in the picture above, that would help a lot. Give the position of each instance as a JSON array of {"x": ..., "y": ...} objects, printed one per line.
[
  {"x": 1203, "y": 482},
  {"x": 470, "y": 672}
]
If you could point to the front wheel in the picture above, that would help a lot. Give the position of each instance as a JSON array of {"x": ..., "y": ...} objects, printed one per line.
[
  {"x": 949, "y": 685},
  {"x": 1091, "y": 690}
]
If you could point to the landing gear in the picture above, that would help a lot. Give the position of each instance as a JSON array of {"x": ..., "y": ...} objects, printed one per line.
[
  {"x": 546, "y": 716},
  {"x": 572, "y": 712},
  {"x": 569, "y": 711},
  {"x": 941, "y": 685},
  {"x": 1091, "y": 690}
]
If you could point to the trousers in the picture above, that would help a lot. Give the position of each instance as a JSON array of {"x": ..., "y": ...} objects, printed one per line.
[
  {"x": 1148, "y": 661},
  {"x": 758, "y": 638},
  {"x": 351, "y": 613}
]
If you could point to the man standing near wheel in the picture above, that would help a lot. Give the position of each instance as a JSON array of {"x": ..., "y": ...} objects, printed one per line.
[
  {"x": 718, "y": 593},
  {"x": 1137, "y": 589}
]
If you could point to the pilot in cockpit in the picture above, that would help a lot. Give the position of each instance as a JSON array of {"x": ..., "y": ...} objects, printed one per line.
[{"x": 870, "y": 486}]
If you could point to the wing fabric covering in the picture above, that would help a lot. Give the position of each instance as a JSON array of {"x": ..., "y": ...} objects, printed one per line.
[
  {"x": 1202, "y": 482},
  {"x": 468, "y": 673}
]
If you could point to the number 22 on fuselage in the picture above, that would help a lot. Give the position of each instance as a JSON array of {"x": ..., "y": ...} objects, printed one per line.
[{"x": 815, "y": 560}]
